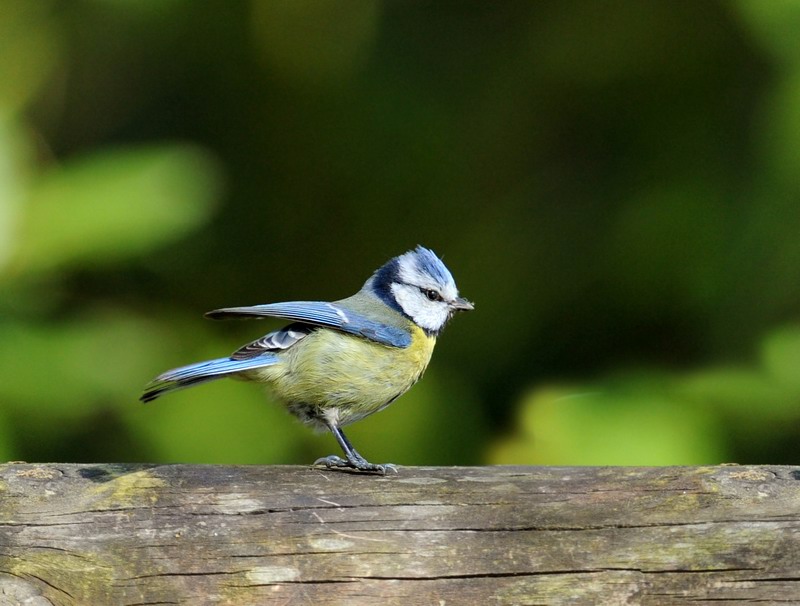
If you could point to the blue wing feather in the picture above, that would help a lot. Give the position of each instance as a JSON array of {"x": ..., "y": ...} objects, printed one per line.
[
  {"x": 200, "y": 372},
  {"x": 320, "y": 313}
]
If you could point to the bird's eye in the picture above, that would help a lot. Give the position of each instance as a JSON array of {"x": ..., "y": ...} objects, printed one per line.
[{"x": 431, "y": 294}]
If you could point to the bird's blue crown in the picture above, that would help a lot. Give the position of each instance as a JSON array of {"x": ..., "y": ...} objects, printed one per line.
[{"x": 426, "y": 262}]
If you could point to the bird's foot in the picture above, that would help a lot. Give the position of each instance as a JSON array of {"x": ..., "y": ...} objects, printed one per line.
[{"x": 360, "y": 464}]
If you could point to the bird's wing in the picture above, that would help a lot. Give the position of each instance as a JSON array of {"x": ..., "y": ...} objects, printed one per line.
[
  {"x": 318, "y": 313},
  {"x": 275, "y": 341}
]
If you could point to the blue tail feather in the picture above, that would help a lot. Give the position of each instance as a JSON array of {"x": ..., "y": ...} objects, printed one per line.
[{"x": 201, "y": 372}]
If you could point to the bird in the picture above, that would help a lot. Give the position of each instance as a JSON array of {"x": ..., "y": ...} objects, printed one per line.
[{"x": 338, "y": 362}]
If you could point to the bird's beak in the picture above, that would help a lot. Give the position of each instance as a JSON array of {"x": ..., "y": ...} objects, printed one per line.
[{"x": 461, "y": 304}]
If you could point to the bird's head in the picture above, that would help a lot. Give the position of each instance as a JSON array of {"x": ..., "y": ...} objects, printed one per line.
[{"x": 418, "y": 285}]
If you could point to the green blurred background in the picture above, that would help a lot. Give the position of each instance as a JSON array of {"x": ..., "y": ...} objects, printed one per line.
[{"x": 614, "y": 183}]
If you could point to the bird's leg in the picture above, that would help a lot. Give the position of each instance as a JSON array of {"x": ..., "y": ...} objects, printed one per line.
[{"x": 352, "y": 459}]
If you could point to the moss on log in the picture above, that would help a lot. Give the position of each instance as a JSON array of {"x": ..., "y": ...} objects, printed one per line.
[{"x": 125, "y": 535}]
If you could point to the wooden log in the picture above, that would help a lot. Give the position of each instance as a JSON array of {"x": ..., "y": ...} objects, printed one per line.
[{"x": 125, "y": 535}]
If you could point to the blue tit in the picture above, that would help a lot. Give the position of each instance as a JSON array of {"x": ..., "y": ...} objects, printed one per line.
[{"x": 339, "y": 362}]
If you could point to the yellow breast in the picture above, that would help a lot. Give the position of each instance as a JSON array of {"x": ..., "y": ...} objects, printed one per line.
[{"x": 329, "y": 369}]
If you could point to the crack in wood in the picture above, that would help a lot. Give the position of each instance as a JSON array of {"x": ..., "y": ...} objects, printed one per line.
[
  {"x": 51, "y": 585},
  {"x": 769, "y": 580},
  {"x": 310, "y": 582}
]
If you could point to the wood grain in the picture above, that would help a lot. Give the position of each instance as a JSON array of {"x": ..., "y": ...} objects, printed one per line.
[{"x": 126, "y": 535}]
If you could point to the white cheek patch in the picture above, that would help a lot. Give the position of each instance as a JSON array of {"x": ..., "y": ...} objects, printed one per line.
[{"x": 430, "y": 315}]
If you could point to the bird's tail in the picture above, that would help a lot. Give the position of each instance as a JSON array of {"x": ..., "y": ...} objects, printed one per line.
[{"x": 193, "y": 374}]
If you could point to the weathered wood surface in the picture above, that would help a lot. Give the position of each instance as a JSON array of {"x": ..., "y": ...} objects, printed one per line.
[{"x": 133, "y": 535}]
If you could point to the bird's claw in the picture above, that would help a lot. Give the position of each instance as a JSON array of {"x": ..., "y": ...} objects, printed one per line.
[{"x": 360, "y": 464}]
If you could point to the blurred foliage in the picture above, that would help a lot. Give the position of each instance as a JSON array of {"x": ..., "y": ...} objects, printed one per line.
[
  {"x": 667, "y": 418},
  {"x": 614, "y": 182}
]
